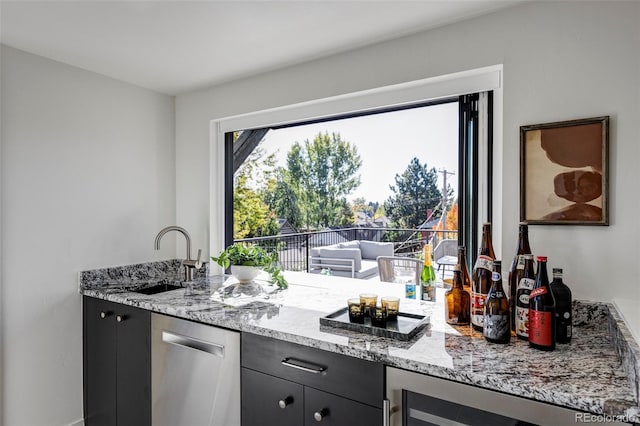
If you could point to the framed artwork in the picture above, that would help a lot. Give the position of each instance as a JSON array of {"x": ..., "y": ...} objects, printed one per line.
[{"x": 564, "y": 176}]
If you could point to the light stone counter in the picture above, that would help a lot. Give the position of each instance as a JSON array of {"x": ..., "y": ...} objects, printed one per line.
[{"x": 597, "y": 372}]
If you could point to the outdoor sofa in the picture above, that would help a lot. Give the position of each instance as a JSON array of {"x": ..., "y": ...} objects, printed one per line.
[{"x": 355, "y": 259}]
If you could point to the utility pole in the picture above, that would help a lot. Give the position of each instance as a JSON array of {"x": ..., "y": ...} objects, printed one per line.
[{"x": 444, "y": 197}]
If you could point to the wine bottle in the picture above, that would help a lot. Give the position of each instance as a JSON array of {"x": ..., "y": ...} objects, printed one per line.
[
  {"x": 542, "y": 311},
  {"x": 496, "y": 327},
  {"x": 562, "y": 296},
  {"x": 428, "y": 276},
  {"x": 464, "y": 270},
  {"x": 481, "y": 282},
  {"x": 457, "y": 301},
  {"x": 517, "y": 268},
  {"x": 525, "y": 285}
]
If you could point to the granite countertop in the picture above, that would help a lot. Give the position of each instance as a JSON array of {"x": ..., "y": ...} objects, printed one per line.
[{"x": 597, "y": 372}]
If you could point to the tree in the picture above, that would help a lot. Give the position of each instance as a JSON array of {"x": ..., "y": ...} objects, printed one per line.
[
  {"x": 251, "y": 216},
  {"x": 322, "y": 173},
  {"x": 452, "y": 222},
  {"x": 283, "y": 199},
  {"x": 415, "y": 191},
  {"x": 360, "y": 205},
  {"x": 379, "y": 211}
]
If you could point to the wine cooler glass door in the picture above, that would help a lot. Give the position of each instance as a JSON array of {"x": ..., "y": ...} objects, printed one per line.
[{"x": 419, "y": 400}]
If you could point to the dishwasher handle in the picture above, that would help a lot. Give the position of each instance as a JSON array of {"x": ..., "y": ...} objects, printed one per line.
[{"x": 192, "y": 343}]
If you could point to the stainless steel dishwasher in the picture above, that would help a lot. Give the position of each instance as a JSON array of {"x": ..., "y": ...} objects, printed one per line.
[{"x": 195, "y": 374}]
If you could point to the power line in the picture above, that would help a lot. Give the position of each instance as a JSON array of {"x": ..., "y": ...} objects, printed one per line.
[{"x": 444, "y": 197}]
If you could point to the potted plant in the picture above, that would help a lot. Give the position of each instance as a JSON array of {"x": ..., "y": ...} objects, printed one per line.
[{"x": 247, "y": 260}]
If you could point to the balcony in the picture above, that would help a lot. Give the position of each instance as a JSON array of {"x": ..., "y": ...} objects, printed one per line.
[{"x": 293, "y": 249}]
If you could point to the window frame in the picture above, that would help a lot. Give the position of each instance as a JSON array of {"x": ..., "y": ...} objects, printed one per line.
[{"x": 485, "y": 79}]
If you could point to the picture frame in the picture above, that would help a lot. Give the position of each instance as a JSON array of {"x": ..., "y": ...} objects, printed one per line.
[{"x": 564, "y": 173}]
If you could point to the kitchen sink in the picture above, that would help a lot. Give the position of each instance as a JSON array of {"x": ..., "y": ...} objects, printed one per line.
[{"x": 158, "y": 288}]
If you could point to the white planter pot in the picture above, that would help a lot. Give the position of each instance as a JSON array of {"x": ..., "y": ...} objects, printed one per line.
[{"x": 245, "y": 274}]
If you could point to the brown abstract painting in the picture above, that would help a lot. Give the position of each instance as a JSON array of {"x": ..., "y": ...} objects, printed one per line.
[{"x": 564, "y": 173}]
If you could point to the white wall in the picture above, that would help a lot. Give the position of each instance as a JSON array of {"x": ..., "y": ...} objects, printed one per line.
[
  {"x": 88, "y": 179},
  {"x": 562, "y": 60}
]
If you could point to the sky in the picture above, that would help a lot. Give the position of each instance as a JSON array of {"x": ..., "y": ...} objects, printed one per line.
[{"x": 386, "y": 144}]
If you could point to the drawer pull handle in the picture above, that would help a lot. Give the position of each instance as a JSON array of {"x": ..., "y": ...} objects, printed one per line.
[
  {"x": 283, "y": 403},
  {"x": 319, "y": 415},
  {"x": 120, "y": 318},
  {"x": 312, "y": 368},
  {"x": 104, "y": 314}
]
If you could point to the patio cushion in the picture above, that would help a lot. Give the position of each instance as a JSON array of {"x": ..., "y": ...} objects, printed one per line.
[
  {"x": 372, "y": 249},
  {"x": 349, "y": 244},
  {"x": 339, "y": 253}
]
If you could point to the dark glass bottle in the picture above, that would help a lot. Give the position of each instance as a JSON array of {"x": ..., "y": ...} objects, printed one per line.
[
  {"x": 562, "y": 295},
  {"x": 496, "y": 327},
  {"x": 525, "y": 285},
  {"x": 542, "y": 307},
  {"x": 517, "y": 269},
  {"x": 464, "y": 270},
  {"x": 457, "y": 301},
  {"x": 481, "y": 282}
]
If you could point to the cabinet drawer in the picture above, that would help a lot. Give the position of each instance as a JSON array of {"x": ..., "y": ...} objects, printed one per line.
[
  {"x": 339, "y": 374},
  {"x": 333, "y": 410},
  {"x": 261, "y": 396}
]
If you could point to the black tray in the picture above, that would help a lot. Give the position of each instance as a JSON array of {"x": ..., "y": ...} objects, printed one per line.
[{"x": 404, "y": 328}]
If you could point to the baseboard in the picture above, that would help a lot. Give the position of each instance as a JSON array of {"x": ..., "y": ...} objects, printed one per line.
[{"x": 79, "y": 422}]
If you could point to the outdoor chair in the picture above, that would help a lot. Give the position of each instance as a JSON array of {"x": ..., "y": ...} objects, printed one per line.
[
  {"x": 392, "y": 268},
  {"x": 446, "y": 254}
]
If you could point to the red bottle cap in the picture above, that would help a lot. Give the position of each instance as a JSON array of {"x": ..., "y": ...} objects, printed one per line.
[{"x": 541, "y": 258}]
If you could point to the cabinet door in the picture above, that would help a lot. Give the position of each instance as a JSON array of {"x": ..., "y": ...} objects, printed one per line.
[
  {"x": 321, "y": 408},
  {"x": 117, "y": 364},
  {"x": 99, "y": 362},
  {"x": 261, "y": 398},
  {"x": 133, "y": 396}
]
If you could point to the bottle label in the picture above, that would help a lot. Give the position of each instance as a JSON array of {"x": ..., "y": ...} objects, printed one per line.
[
  {"x": 477, "y": 308},
  {"x": 538, "y": 292},
  {"x": 569, "y": 330},
  {"x": 526, "y": 283},
  {"x": 410, "y": 290},
  {"x": 484, "y": 262},
  {"x": 541, "y": 327},
  {"x": 522, "y": 321},
  {"x": 495, "y": 276},
  {"x": 496, "y": 327},
  {"x": 524, "y": 298},
  {"x": 520, "y": 264},
  {"x": 428, "y": 293}
]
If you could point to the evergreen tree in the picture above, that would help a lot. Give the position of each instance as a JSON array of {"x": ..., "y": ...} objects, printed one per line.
[
  {"x": 415, "y": 191},
  {"x": 281, "y": 197}
]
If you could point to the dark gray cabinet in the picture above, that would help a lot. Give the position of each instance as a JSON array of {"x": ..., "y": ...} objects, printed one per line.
[
  {"x": 289, "y": 384},
  {"x": 117, "y": 363},
  {"x": 268, "y": 400}
]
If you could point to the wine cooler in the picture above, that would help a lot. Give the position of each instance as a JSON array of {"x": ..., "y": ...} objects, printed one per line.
[{"x": 418, "y": 400}]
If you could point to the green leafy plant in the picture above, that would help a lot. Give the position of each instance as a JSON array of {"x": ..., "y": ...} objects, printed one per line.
[{"x": 252, "y": 255}]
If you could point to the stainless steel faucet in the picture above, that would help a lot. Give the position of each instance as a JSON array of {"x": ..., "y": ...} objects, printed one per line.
[{"x": 189, "y": 264}]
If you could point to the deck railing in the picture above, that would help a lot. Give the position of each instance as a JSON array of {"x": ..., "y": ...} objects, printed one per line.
[{"x": 293, "y": 249}]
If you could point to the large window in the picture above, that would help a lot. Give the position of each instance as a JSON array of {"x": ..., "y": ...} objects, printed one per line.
[{"x": 406, "y": 174}]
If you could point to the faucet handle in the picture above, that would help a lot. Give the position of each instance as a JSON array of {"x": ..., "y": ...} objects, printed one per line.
[
  {"x": 198, "y": 264},
  {"x": 191, "y": 263}
]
